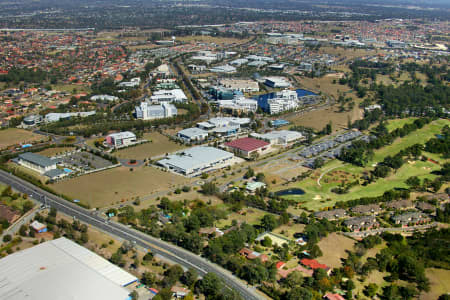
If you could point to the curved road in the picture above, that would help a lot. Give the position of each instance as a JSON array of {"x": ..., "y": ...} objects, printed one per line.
[{"x": 174, "y": 253}]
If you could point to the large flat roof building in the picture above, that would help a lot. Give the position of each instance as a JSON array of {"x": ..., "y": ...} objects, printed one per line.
[
  {"x": 280, "y": 137},
  {"x": 247, "y": 147},
  {"x": 36, "y": 162},
  {"x": 61, "y": 269},
  {"x": 196, "y": 160},
  {"x": 192, "y": 134}
]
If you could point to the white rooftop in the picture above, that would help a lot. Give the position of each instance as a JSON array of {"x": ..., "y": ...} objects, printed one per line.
[
  {"x": 123, "y": 135},
  {"x": 61, "y": 270}
]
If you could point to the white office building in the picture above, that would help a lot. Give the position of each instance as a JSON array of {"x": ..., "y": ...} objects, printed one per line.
[
  {"x": 104, "y": 98},
  {"x": 196, "y": 160},
  {"x": 239, "y": 104},
  {"x": 189, "y": 135},
  {"x": 121, "y": 139},
  {"x": 280, "y": 137},
  {"x": 170, "y": 96},
  {"x": 55, "y": 117},
  {"x": 277, "y": 82},
  {"x": 134, "y": 82},
  {"x": 149, "y": 112}
]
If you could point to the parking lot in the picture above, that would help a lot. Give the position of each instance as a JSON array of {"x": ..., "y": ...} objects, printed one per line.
[{"x": 84, "y": 161}]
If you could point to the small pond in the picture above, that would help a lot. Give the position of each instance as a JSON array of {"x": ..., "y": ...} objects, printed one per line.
[{"x": 289, "y": 192}]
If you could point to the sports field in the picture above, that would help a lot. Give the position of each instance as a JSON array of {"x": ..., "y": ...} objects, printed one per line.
[
  {"x": 158, "y": 145},
  {"x": 118, "y": 185},
  {"x": 13, "y": 136}
]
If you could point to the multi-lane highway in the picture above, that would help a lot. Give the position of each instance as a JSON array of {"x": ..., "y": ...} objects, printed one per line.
[{"x": 171, "y": 252}]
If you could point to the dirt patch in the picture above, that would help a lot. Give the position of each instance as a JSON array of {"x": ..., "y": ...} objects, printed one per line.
[{"x": 334, "y": 248}]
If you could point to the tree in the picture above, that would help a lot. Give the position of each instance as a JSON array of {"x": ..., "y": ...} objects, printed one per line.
[
  {"x": 148, "y": 278},
  {"x": 189, "y": 277},
  {"x": 209, "y": 188},
  {"x": 294, "y": 279},
  {"x": 371, "y": 290},
  {"x": 299, "y": 293},
  {"x": 266, "y": 242},
  {"x": 269, "y": 222},
  {"x": 250, "y": 173},
  {"x": 210, "y": 284},
  {"x": 7, "y": 238},
  {"x": 318, "y": 163},
  {"x": 23, "y": 230},
  {"x": 315, "y": 251},
  {"x": 172, "y": 275}
]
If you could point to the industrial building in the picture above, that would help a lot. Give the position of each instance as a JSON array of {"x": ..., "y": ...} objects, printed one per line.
[
  {"x": 170, "y": 96},
  {"x": 281, "y": 137},
  {"x": 55, "y": 117},
  {"x": 196, "y": 160},
  {"x": 134, "y": 82},
  {"x": 121, "y": 139},
  {"x": 277, "y": 82},
  {"x": 104, "y": 98},
  {"x": 243, "y": 85},
  {"x": 189, "y": 135},
  {"x": 150, "y": 112},
  {"x": 31, "y": 120},
  {"x": 61, "y": 269},
  {"x": 223, "y": 69},
  {"x": 224, "y": 126},
  {"x": 36, "y": 162},
  {"x": 248, "y": 147}
]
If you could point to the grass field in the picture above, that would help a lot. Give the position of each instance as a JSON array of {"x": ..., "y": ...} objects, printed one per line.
[
  {"x": 158, "y": 145},
  {"x": 334, "y": 247},
  {"x": 321, "y": 196},
  {"x": 439, "y": 283},
  {"x": 70, "y": 88},
  {"x": 289, "y": 230},
  {"x": 49, "y": 152},
  {"x": 117, "y": 185},
  {"x": 249, "y": 215},
  {"x": 211, "y": 39},
  {"x": 398, "y": 123},
  {"x": 13, "y": 136}
]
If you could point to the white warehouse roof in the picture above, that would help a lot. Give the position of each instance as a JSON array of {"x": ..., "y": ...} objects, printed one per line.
[{"x": 61, "y": 269}]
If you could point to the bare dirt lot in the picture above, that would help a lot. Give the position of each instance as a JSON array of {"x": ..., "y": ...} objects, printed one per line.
[{"x": 117, "y": 185}]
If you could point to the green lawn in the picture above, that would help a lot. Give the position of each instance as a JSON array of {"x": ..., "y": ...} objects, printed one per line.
[
  {"x": 398, "y": 123},
  {"x": 317, "y": 196}
]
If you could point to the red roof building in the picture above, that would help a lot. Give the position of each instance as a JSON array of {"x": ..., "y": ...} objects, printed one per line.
[
  {"x": 331, "y": 296},
  {"x": 247, "y": 147},
  {"x": 313, "y": 264},
  {"x": 280, "y": 264}
]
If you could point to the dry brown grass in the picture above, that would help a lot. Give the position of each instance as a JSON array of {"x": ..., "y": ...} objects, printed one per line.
[
  {"x": 158, "y": 145},
  {"x": 440, "y": 283},
  {"x": 12, "y": 136},
  {"x": 334, "y": 248},
  {"x": 118, "y": 185},
  {"x": 211, "y": 39},
  {"x": 318, "y": 119}
]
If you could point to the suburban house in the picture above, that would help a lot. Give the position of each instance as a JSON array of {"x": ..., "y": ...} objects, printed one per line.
[
  {"x": 425, "y": 206},
  {"x": 314, "y": 264},
  {"x": 366, "y": 209},
  {"x": 330, "y": 296},
  {"x": 361, "y": 223},
  {"x": 210, "y": 231},
  {"x": 400, "y": 204},
  {"x": 121, "y": 139},
  {"x": 330, "y": 215},
  {"x": 248, "y": 147},
  {"x": 249, "y": 254},
  {"x": 38, "y": 227},
  {"x": 411, "y": 218}
]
